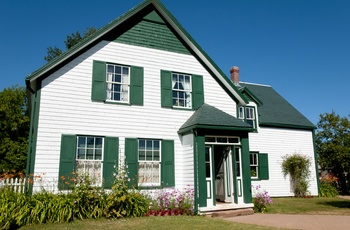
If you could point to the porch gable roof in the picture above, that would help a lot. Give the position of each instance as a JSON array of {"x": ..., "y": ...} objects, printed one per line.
[{"x": 210, "y": 117}]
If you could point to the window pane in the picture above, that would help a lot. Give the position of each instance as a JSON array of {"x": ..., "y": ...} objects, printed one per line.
[
  {"x": 98, "y": 142},
  {"x": 156, "y": 145},
  {"x": 81, "y": 141},
  {"x": 251, "y": 122},
  {"x": 222, "y": 139},
  {"x": 125, "y": 71},
  {"x": 98, "y": 154},
  {"x": 142, "y": 173},
  {"x": 118, "y": 70},
  {"x": 118, "y": 78},
  {"x": 90, "y": 154},
  {"x": 149, "y": 145},
  {"x": 90, "y": 142},
  {"x": 142, "y": 155},
  {"x": 207, "y": 170},
  {"x": 209, "y": 139},
  {"x": 156, "y": 156},
  {"x": 116, "y": 96},
  {"x": 116, "y": 87},
  {"x": 233, "y": 140},
  {"x": 148, "y": 155},
  {"x": 142, "y": 144},
  {"x": 81, "y": 154},
  {"x": 155, "y": 173},
  {"x": 207, "y": 157},
  {"x": 110, "y": 68}
]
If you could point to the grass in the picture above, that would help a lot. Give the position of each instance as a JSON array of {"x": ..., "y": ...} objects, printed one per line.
[
  {"x": 154, "y": 223},
  {"x": 310, "y": 206}
]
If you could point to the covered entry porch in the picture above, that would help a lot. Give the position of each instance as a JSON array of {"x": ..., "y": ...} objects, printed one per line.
[{"x": 221, "y": 160}]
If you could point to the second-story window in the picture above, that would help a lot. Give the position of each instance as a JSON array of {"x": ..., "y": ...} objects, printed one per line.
[
  {"x": 182, "y": 90},
  {"x": 117, "y": 80}
]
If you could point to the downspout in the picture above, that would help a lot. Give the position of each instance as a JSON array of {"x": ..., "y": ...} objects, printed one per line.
[{"x": 31, "y": 107}]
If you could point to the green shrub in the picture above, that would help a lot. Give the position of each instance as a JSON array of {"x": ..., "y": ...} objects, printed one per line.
[
  {"x": 297, "y": 166},
  {"x": 328, "y": 186},
  {"x": 88, "y": 200},
  {"x": 121, "y": 202},
  {"x": 327, "y": 190}
]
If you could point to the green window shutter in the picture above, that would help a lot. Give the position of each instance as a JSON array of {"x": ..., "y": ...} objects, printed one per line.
[
  {"x": 110, "y": 158},
  {"x": 197, "y": 91},
  {"x": 168, "y": 166},
  {"x": 263, "y": 166},
  {"x": 131, "y": 158},
  {"x": 67, "y": 160},
  {"x": 136, "y": 85},
  {"x": 166, "y": 89},
  {"x": 98, "y": 87}
]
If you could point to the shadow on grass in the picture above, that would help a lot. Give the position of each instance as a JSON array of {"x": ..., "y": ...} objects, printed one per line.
[{"x": 336, "y": 204}]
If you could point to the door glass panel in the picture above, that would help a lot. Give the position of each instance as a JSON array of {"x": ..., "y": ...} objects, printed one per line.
[
  {"x": 238, "y": 162},
  {"x": 207, "y": 162}
]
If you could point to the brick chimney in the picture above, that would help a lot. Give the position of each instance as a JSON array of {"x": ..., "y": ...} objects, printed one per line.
[{"x": 234, "y": 71}]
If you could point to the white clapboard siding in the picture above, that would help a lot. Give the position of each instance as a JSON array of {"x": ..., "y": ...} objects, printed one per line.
[
  {"x": 66, "y": 106},
  {"x": 278, "y": 142}
]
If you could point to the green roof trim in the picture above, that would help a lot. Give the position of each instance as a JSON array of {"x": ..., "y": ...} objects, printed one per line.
[
  {"x": 209, "y": 117},
  {"x": 127, "y": 21},
  {"x": 275, "y": 111},
  {"x": 246, "y": 92}
]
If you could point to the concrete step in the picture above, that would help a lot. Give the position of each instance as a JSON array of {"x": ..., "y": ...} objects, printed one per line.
[{"x": 231, "y": 213}]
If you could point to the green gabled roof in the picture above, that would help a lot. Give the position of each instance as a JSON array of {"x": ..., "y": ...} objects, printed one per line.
[
  {"x": 275, "y": 110},
  {"x": 209, "y": 117},
  {"x": 127, "y": 21}
]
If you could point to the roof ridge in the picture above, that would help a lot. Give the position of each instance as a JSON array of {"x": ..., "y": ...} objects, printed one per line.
[{"x": 250, "y": 83}]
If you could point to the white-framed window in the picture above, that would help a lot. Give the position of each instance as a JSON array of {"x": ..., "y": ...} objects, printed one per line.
[
  {"x": 222, "y": 140},
  {"x": 254, "y": 165},
  {"x": 250, "y": 116},
  {"x": 247, "y": 114},
  {"x": 89, "y": 157},
  {"x": 118, "y": 83},
  {"x": 240, "y": 112},
  {"x": 182, "y": 90},
  {"x": 149, "y": 159}
]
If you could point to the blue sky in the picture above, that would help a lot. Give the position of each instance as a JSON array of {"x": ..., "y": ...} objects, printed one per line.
[{"x": 299, "y": 47}]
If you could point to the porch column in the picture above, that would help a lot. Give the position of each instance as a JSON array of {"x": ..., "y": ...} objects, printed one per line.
[{"x": 247, "y": 191}]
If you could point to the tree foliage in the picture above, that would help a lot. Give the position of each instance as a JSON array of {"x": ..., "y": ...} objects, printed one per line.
[
  {"x": 14, "y": 129},
  {"x": 297, "y": 166},
  {"x": 333, "y": 145},
  {"x": 70, "y": 41}
]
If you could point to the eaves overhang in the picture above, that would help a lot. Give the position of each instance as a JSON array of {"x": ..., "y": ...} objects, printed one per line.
[{"x": 213, "y": 127}]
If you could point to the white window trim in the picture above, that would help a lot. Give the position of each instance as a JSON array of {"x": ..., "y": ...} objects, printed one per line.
[
  {"x": 256, "y": 165},
  {"x": 159, "y": 162},
  {"x": 110, "y": 82},
  {"x": 84, "y": 162},
  {"x": 188, "y": 92}
]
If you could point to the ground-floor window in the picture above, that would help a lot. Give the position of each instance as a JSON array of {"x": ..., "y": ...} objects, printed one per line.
[
  {"x": 89, "y": 158},
  {"x": 254, "y": 165},
  {"x": 149, "y": 159}
]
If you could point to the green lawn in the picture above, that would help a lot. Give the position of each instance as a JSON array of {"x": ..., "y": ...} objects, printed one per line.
[
  {"x": 311, "y": 206},
  {"x": 154, "y": 223}
]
